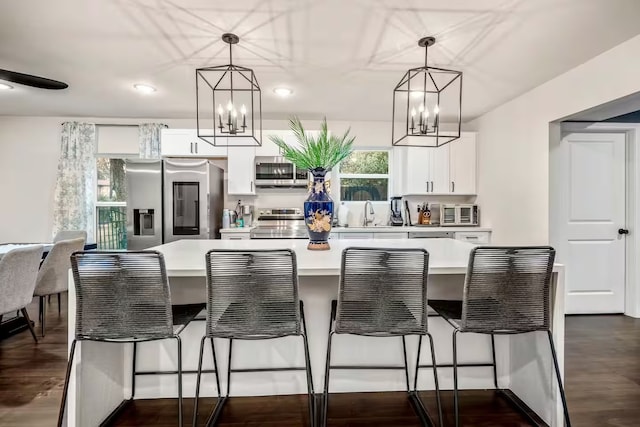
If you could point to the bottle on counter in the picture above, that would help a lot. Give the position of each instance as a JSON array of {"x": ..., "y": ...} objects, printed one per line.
[
  {"x": 226, "y": 218},
  {"x": 343, "y": 215},
  {"x": 239, "y": 214}
]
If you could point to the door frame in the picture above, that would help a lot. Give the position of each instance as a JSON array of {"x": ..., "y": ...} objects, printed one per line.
[{"x": 632, "y": 202}]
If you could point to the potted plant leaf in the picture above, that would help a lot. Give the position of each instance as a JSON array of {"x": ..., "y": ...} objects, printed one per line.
[{"x": 317, "y": 154}]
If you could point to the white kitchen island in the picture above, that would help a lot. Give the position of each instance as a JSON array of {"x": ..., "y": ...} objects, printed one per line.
[{"x": 101, "y": 378}]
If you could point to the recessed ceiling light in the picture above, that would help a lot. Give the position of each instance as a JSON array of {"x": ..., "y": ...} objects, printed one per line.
[
  {"x": 283, "y": 91},
  {"x": 4, "y": 86},
  {"x": 146, "y": 89}
]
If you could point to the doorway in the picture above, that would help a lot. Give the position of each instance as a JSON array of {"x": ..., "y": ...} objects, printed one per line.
[{"x": 593, "y": 216}]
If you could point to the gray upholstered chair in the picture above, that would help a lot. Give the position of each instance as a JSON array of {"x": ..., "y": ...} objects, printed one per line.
[
  {"x": 70, "y": 235},
  {"x": 18, "y": 272},
  {"x": 53, "y": 277},
  {"x": 123, "y": 297},
  {"x": 67, "y": 235},
  {"x": 383, "y": 293},
  {"x": 252, "y": 295},
  {"x": 506, "y": 291}
]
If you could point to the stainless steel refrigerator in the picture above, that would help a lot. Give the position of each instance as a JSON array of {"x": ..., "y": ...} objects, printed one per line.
[
  {"x": 144, "y": 203},
  {"x": 193, "y": 199}
]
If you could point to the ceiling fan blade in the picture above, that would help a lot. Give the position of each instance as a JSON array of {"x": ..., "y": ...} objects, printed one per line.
[{"x": 30, "y": 80}]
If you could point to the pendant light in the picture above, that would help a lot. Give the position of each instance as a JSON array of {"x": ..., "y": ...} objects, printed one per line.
[
  {"x": 427, "y": 105},
  {"x": 229, "y": 103}
]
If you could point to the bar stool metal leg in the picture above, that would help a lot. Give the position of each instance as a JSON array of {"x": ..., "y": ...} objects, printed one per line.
[
  {"x": 307, "y": 359},
  {"x": 406, "y": 365},
  {"x": 495, "y": 364},
  {"x": 179, "y": 380},
  {"x": 455, "y": 378},
  {"x": 559, "y": 378},
  {"x": 133, "y": 370},
  {"x": 63, "y": 403},
  {"x": 327, "y": 368},
  {"x": 199, "y": 379}
]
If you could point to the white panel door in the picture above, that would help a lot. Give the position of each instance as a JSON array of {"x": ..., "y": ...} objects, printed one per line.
[{"x": 594, "y": 251}]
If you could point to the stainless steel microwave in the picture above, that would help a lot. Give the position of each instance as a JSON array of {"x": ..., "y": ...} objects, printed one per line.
[{"x": 271, "y": 172}]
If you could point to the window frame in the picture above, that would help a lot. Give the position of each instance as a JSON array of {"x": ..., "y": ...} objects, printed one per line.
[
  {"x": 388, "y": 176},
  {"x": 102, "y": 204}
]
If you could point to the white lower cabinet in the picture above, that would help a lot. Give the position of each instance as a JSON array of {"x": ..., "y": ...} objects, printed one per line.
[{"x": 477, "y": 237}]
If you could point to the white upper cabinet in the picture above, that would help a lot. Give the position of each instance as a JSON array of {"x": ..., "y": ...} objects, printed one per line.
[
  {"x": 450, "y": 169},
  {"x": 440, "y": 169},
  {"x": 185, "y": 143},
  {"x": 462, "y": 164},
  {"x": 268, "y": 147},
  {"x": 241, "y": 171}
]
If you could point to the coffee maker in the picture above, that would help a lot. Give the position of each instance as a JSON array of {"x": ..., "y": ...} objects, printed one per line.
[{"x": 395, "y": 217}]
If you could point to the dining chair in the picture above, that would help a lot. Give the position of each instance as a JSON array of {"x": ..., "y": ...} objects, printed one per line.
[
  {"x": 18, "y": 272},
  {"x": 53, "y": 277},
  {"x": 70, "y": 235}
]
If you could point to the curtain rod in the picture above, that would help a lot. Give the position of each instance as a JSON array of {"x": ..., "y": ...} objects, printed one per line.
[{"x": 109, "y": 124}]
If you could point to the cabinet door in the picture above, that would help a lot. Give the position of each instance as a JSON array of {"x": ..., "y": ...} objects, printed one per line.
[
  {"x": 235, "y": 236},
  {"x": 389, "y": 235},
  {"x": 476, "y": 237},
  {"x": 268, "y": 147},
  {"x": 204, "y": 149},
  {"x": 356, "y": 235},
  {"x": 417, "y": 168},
  {"x": 240, "y": 171},
  {"x": 440, "y": 169},
  {"x": 463, "y": 165},
  {"x": 176, "y": 142}
]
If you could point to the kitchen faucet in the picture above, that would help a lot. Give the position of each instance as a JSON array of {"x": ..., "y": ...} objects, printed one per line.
[{"x": 366, "y": 221}]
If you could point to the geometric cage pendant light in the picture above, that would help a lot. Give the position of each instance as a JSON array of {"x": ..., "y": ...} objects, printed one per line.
[
  {"x": 229, "y": 103},
  {"x": 427, "y": 105}
]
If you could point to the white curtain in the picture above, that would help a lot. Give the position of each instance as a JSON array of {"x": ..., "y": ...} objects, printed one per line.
[
  {"x": 149, "y": 139},
  {"x": 74, "y": 197}
]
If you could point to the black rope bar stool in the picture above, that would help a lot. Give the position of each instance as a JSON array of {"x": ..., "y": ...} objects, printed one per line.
[
  {"x": 383, "y": 293},
  {"x": 252, "y": 295},
  {"x": 506, "y": 291},
  {"x": 123, "y": 297}
]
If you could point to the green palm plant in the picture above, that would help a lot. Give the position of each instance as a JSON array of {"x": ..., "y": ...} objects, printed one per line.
[{"x": 323, "y": 152}]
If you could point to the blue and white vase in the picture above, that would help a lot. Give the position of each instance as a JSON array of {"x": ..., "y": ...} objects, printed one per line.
[{"x": 318, "y": 212}]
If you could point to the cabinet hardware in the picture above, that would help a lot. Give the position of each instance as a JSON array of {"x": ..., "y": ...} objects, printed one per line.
[
  {"x": 195, "y": 144},
  {"x": 622, "y": 231},
  {"x": 453, "y": 187}
]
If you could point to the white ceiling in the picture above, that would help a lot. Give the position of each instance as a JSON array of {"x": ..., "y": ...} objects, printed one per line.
[{"x": 341, "y": 57}]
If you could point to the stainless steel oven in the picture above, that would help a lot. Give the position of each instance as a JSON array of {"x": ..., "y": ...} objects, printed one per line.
[{"x": 278, "y": 172}]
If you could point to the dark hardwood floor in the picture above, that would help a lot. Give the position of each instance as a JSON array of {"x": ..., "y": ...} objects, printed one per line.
[{"x": 602, "y": 370}]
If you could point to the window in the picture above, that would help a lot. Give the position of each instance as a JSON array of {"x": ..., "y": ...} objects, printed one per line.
[
  {"x": 111, "y": 204},
  {"x": 364, "y": 175}
]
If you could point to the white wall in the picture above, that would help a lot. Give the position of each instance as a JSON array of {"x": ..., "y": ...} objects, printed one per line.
[
  {"x": 30, "y": 147},
  {"x": 513, "y": 141}
]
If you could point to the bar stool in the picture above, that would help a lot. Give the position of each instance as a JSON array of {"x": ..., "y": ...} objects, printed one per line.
[
  {"x": 506, "y": 291},
  {"x": 383, "y": 293},
  {"x": 252, "y": 295},
  {"x": 123, "y": 297}
]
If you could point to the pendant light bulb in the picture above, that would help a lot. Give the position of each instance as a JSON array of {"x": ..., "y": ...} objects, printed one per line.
[
  {"x": 220, "y": 109},
  {"x": 436, "y": 110},
  {"x": 243, "y": 110},
  {"x": 413, "y": 112},
  {"x": 229, "y": 106},
  {"x": 234, "y": 113},
  {"x": 421, "y": 108},
  {"x": 426, "y": 114}
]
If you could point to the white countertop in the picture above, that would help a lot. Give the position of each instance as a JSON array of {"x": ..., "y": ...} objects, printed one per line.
[
  {"x": 404, "y": 229},
  {"x": 379, "y": 229},
  {"x": 186, "y": 258}
]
